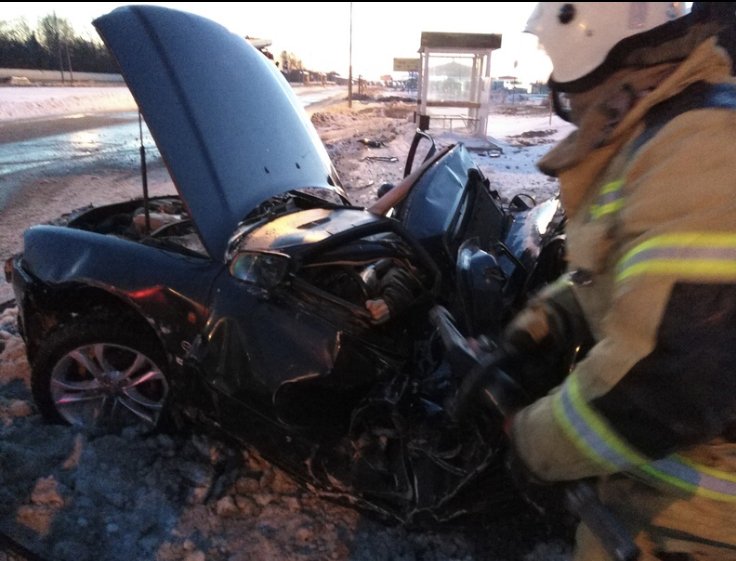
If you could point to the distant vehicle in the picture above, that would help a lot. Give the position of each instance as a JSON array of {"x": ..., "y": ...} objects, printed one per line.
[
  {"x": 239, "y": 305},
  {"x": 262, "y": 45}
]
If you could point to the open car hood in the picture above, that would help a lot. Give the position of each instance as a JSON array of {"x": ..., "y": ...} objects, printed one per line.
[{"x": 227, "y": 124}]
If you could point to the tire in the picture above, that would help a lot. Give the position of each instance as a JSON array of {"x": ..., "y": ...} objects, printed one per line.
[{"x": 101, "y": 371}]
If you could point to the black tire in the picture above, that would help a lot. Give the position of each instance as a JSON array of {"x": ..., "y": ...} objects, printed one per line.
[{"x": 101, "y": 371}]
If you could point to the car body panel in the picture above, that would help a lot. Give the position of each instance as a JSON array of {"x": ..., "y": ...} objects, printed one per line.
[
  {"x": 305, "y": 382},
  {"x": 59, "y": 260},
  {"x": 59, "y": 255},
  {"x": 437, "y": 195},
  {"x": 307, "y": 227},
  {"x": 333, "y": 347},
  {"x": 225, "y": 121}
]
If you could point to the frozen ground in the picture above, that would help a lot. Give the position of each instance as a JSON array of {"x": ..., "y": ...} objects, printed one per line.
[{"x": 80, "y": 497}]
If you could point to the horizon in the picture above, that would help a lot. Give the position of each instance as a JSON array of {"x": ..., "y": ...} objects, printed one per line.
[{"x": 381, "y": 31}]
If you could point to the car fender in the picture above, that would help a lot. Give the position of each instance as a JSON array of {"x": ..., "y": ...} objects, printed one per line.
[{"x": 171, "y": 287}]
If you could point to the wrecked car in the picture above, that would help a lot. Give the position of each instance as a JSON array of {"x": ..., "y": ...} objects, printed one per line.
[{"x": 240, "y": 304}]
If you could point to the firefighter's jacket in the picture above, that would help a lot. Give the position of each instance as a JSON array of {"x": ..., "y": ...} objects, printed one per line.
[{"x": 652, "y": 239}]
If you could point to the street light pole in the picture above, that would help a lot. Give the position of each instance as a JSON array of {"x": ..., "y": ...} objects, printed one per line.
[{"x": 350, "y": 62}]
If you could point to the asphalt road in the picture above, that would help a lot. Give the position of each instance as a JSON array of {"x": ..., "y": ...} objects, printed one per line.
[{"x": 25, "y": 130}]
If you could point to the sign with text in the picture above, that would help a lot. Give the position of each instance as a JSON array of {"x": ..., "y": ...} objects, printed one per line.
[{"x": 406, "y": 65}]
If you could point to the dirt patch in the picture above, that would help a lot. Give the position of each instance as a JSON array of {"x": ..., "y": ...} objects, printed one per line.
[
  {"x": 522, "y": 109},
  {"x": 360, "y": 137},
  {"x": 533, "y": 138}
]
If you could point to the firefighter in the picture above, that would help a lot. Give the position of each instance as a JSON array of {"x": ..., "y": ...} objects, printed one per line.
[{"x": 648, "y": 181}]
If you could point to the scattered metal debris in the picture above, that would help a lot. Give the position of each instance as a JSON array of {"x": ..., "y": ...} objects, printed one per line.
[
  {"x": 381, "y": 158},
  {"x": 363, "y": 186},
  {"x": 371, "y": 143}
]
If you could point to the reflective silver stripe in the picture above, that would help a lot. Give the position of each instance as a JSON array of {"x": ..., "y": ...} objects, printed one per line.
[
  {"x": 692, "y": 478},
  {"x": 590, "y": 431},
  {"x": 592, "y": 435},
  {"x": 695, "y": 255}
]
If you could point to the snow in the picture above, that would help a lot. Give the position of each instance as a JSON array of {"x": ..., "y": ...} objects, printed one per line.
[
  {"x": 23, "y": 103},
  {"x": 75, "y": 496}
]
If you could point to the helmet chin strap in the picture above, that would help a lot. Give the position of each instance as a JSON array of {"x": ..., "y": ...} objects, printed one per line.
[
  {"x": 612, "y": 98},
  {"x": 561, "y": 104}
]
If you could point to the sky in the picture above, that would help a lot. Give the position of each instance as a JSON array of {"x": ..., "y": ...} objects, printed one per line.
[{"x": 330, "y": 36}]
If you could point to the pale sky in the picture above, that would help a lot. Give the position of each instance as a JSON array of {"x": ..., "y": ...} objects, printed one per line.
[{"x": 319, "y": 32}]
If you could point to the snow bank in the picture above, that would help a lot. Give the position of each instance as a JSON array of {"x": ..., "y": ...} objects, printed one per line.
[{"x": 19, "y": 103}]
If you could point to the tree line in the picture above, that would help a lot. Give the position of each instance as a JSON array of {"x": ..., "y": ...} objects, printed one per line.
[{"x": 52, "y": 45}]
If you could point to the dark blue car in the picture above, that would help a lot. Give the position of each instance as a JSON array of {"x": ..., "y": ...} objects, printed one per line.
[{"x": 241, "y": 303}]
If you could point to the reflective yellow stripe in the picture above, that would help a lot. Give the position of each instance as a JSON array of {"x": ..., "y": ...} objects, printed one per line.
[
  {"x": 594, "y": 438},
  {"x": 693, "y": 478},
  {"x": 609, "y": 200},
  {"x": 708, "y": 470},
  {"x": 590, "y": 431},
  {"x": 596, "y": 211},
  {"x": 695, "y": 255}
]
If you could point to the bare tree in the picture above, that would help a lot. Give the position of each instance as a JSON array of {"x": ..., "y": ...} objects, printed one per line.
[{"x": 56, "y": 35}]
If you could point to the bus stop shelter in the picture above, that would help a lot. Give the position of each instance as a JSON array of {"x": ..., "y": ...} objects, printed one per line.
[{"x": 454, "y": 83}]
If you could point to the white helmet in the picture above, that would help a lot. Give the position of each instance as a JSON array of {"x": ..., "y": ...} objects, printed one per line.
[{"x": 578, "y": 37}]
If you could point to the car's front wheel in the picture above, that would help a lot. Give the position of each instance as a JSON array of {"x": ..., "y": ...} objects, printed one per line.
[{"x": 100, "y": 371}]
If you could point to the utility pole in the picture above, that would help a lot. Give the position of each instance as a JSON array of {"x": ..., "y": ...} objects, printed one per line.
[{"x": 350, "y": 62}]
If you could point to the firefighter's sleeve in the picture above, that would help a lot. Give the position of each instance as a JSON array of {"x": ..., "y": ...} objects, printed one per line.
[
  {"x": 660, "y": 378},
  {"x": 543, "y": 340}
]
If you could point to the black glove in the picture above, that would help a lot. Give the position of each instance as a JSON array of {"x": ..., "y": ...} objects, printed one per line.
[
  {"x": 487, "y": 385},
  {"x": 545, "y": 497},
  {"x": 545, "y": 339}
]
